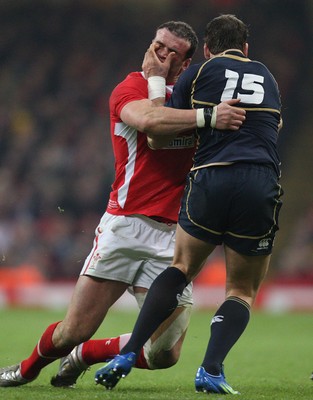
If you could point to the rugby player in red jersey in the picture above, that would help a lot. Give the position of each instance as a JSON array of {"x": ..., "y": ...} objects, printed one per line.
[{"x": 134, "y": 241}]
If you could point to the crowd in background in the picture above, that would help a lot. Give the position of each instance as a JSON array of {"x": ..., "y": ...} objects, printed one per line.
[
  {"x": 58, "y": 64},
  {"x": 296, "y": 259}
]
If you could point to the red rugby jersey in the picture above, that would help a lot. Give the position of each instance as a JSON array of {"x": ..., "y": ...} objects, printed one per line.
[{"x": 147, "y": 182}]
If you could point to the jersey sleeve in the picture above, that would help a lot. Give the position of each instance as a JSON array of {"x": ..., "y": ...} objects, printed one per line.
[{"x": 133, "y": 88}]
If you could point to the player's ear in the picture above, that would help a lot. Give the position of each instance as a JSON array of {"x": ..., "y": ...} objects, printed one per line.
[
  {"x": 206, "y": 51},
  {"x": 245, "y": 49},
  {"x": 186, "y": 64}
]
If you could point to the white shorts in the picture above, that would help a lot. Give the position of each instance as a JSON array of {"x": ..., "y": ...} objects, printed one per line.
[{"x": 132, "y": 249}]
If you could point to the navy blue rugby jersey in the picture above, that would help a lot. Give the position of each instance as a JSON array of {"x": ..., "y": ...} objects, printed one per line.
[{"x": 231, "y": 75}]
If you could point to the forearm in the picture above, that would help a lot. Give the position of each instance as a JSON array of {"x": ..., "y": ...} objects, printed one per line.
[
  {"x": 144, "y": 117},
  {"x": 168, "y": 121}
]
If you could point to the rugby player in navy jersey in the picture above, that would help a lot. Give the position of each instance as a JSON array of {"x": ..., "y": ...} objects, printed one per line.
[{"x": 232, "y": 198}]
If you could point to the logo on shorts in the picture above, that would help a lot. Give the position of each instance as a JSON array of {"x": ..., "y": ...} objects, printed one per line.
[
  {"x": 95, "y": 258},
  {"x": 217, "y": 318},
  {"x": 264, "y": 244}
]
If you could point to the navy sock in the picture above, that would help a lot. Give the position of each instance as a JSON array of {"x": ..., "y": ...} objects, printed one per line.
[
  {"x": 227, "y": 325},
  {"x": 160, "y": 303}
]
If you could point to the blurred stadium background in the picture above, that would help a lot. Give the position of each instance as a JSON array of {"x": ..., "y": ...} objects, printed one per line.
[{"x": 59, "y": 61}]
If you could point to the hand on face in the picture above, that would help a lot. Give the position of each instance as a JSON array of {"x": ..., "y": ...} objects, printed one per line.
[{"x": 156, "y": 65}]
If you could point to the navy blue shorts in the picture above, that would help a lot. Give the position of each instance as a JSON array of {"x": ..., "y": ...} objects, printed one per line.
[{"x": 237, "y": 205}]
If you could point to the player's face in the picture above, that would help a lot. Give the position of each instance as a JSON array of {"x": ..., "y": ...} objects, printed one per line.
[{"x": 168, "y": 43}]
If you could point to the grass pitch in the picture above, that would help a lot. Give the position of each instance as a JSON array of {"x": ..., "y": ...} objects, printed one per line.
[{"x": 272, "y": 360}]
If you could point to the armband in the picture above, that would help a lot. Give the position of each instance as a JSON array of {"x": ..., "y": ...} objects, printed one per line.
[
  {"x": 213, "y": 117},
  {"x": 156, "y": 87},
  {"x": 206, "y": 117},
  {"x": 200, "y": 118}
]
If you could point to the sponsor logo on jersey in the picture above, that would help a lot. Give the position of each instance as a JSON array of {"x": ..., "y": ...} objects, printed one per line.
[
  {"x": 181, "y": 142},
  {"x": 217, "y": 318}
]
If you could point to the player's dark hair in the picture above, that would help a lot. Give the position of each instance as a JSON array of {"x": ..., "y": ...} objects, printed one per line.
[
  {"x": 183, "y": 31},
  {"x": 225, "y": 32}
]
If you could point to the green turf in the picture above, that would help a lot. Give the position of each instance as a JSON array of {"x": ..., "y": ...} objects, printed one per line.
[{"x": 273, "y": 360}]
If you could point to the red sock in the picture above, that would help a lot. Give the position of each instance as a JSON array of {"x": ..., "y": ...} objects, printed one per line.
[
  {"x": 101, "y": 350},
  {"x": 141, "y": 361},
  {"x": 43, "y": 354}
]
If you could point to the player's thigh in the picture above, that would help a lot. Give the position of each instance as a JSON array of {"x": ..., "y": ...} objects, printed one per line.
[
  {"x": 244, "y": 274},
  {"x": 163, "y": 349},
  {"x": 190, "y": 253},
  {"x": 172, "y": 330},
  {"x": 90, "y": 303}
]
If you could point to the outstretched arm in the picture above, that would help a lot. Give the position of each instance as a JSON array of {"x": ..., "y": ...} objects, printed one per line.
[
  {"x": 160, "y": 121},
  {"x": 145, "y": 117}
]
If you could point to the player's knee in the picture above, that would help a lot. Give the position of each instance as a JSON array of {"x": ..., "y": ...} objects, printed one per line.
[
  {"x": 248, "y": 296},
  {"x": 163, "y": 359}
]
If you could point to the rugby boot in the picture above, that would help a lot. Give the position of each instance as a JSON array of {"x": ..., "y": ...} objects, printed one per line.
[
  {"x": 11, "y": 376},
  {"x": 71, "y": 367},
  {"x": 121, "y": 365},
  {"x": 205, "y": 382}
]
